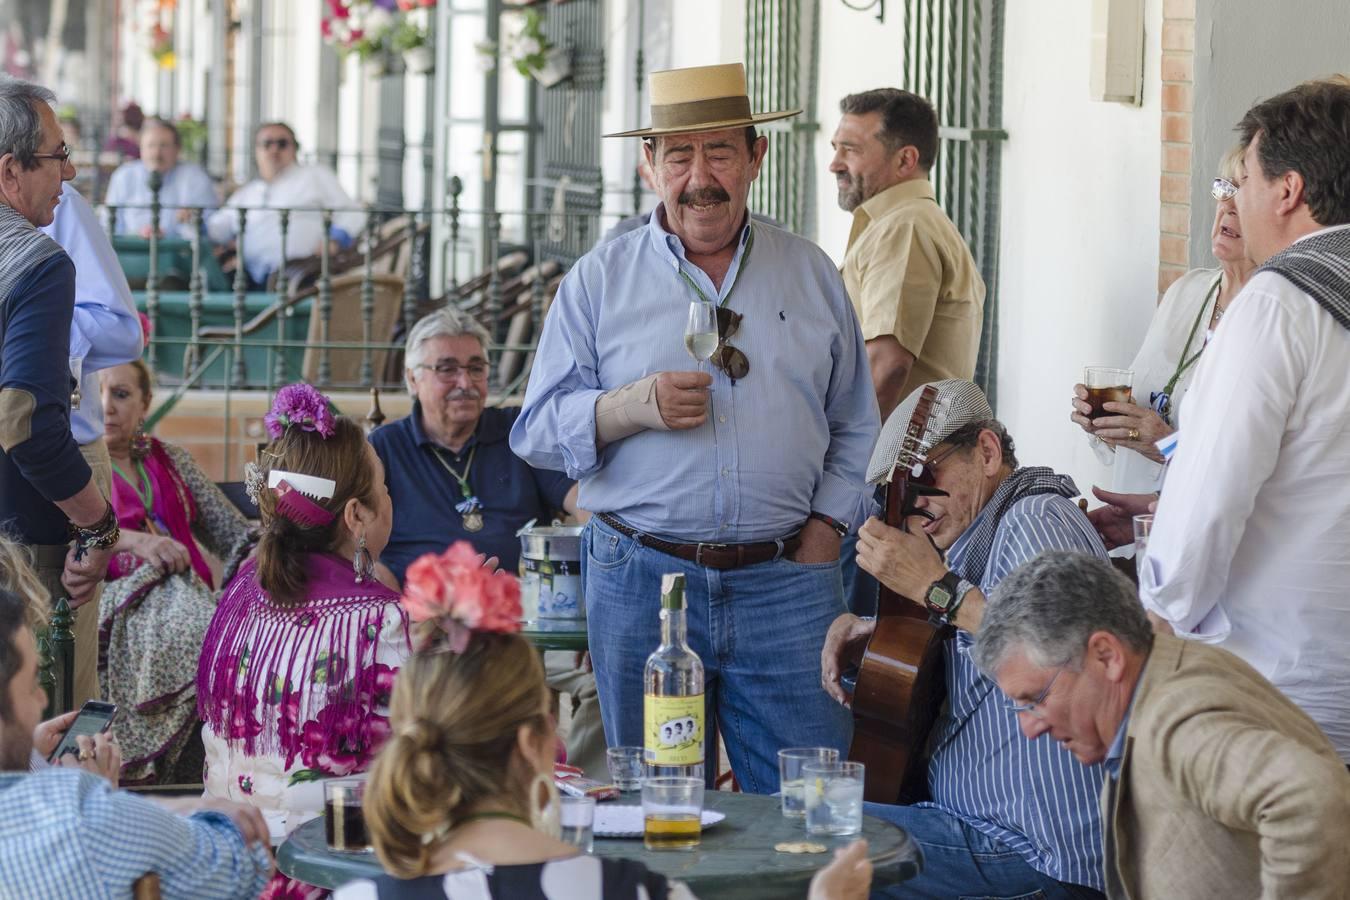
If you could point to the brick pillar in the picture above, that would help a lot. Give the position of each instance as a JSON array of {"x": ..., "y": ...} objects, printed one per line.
[{"x": 1178, "y": 75}]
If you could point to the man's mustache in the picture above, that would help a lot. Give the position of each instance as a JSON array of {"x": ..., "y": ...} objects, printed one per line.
[
  {"x": 462, "y": 394},
  {"x": 703, "y": 196}
]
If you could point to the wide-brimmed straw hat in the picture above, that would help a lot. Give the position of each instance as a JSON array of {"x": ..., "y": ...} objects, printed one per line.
[{"x": 702, "y": 98}]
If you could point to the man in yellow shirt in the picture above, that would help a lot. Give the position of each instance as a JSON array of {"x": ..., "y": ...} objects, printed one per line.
[{"x": 912, "y": 280}]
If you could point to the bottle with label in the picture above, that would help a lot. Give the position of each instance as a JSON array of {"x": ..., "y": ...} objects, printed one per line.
[{"x": 672, "y": 682}]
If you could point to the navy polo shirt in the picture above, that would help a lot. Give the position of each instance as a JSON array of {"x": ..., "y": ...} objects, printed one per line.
[{"x": 424, "y": 494}]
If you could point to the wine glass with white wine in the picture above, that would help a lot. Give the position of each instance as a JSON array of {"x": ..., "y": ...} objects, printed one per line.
[{"x": 700, "y": 332}]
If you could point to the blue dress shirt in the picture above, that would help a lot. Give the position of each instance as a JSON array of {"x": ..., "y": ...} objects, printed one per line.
[
  {"x": 792, "y": 437},
  {"x": 424, "y": 494},
  {"x": 1032, "y": 796},
  {"x": 66, "y": 833},
  {"x": 186, "y": 185},
  {"x": 105, "y": 331}
]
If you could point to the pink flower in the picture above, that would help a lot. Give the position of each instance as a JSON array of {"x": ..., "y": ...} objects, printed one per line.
[
  {"x": 456, "y": 586},
  {"x": 342, "y": 739},
  {"x": 283, "y": 888},
  {"x": 302, "y": 406},
  {"x": 243, "y": 723}
]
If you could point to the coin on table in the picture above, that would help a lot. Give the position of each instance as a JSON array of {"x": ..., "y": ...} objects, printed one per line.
[{"x": 799, "y": 847}]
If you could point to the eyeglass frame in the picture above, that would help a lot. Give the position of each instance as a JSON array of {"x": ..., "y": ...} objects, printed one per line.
[
  {"x": 1222, "y": 189},
  {"x": 929, "y": 466},
  {"x": 725, "y": 356},
  {"x": 63, "y": 154},
  {"x": 448, "y": 373},
  {"x": 281, "y": 143},
  {"x": 1032, "y": 707}
]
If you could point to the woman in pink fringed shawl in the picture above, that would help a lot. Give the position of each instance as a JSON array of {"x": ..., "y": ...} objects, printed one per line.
[{"x": 299, "y": 662}]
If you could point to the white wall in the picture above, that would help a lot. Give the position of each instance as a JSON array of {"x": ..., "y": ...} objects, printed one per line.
[
  {"x": 1291, "y": 47},
  {"x": 857, "y": 53},
  {"x": 1079, "y": 226}
]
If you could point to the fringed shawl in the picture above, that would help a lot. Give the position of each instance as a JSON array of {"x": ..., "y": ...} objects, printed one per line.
[{"x": 301, "y": 680}]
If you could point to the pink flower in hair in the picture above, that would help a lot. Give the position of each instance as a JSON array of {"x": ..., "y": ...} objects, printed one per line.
[
  {"x": 304, "y": 407},
  {"x": 465, "y": 597}
]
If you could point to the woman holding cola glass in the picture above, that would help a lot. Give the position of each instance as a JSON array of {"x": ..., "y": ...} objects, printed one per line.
[
  {"x": 1162, "y": 371},
  {"x": 461, "y": 800}
]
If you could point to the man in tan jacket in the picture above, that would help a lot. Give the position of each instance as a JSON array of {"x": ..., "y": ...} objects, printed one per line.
[{"x": 1219, "y": 787}]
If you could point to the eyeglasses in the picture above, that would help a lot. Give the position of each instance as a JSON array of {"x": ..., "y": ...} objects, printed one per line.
[
  {"x": 729, "y": 359},
  {"x": 278, "y": 143},
  {"x": 63, "y": 154},
  {"x": 448, "y": 373},
  {"x": 925, "y": 473},
  {"x": 1033, "y": 708},
  {"x": 1222, "y": 189}
]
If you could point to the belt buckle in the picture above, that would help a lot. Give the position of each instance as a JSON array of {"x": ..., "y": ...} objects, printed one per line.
[{"x": 700, "y": 547}]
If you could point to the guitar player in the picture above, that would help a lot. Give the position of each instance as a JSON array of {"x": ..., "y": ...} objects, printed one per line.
[{"x": 1009, "y": 818}]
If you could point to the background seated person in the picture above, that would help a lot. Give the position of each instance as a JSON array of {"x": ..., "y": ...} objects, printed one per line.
[
  {"x": 161, "y": 592},
  {"x": 283, "y": 183},
  {"x": 1219, "y": 787},
  {"x": 464, "y": 788},
  {"x": 1007, "y": 818},
  {"x": 302, "y": 652},
  {"x": 186, "y": 185},
  {"x": 65, "y": 831}
]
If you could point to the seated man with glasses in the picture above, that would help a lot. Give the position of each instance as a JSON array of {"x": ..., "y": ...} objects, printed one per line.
[
  {"x": 452, "y": 476},
  {"x": 1007, "y": 817},
  {"x": 1219, "y": 786},
  {"x": 284, "y": 183}
]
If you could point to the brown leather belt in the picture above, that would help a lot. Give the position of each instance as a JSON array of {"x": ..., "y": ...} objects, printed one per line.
[{"x": 714, "y": 556}]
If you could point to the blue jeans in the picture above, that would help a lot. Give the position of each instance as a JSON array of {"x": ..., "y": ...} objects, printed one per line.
[
  {"x": 960, "y": 863},
  {"x": 758, "y": 629},
  {"x": 860, "y": 588}
]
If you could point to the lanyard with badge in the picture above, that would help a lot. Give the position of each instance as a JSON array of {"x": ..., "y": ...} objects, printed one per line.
[
  {"x": 729, "y": 359},
  {"x": 1161, "y": 401}
]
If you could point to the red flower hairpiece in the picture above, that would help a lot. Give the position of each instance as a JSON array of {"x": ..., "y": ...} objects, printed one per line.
[{"x": 463, "y": 597}]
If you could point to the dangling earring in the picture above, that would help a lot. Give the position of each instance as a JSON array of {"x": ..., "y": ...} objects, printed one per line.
[
  {"x": 544, "y": 816},
  {"x": 140, "y": 442},
  {"x": 362, "y": 564}
]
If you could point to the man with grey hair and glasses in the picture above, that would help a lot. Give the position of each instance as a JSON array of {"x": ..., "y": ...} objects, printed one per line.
[
  {"x": 1219, "y": 786},
  {"x": 452, "y": 476},
  {"x": 1006, "y": 818},
  {"x": 47, "y": 493}
]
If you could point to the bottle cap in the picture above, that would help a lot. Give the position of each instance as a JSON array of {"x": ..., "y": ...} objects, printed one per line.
[{"x": 672, "y": 590}]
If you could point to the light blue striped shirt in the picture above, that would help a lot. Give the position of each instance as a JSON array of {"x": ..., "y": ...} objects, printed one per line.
[
  {"x": 792, "y": 437},
  {"x": 105, "y": 330},
  {"x": 66, "y": 833},
  {"x": 1032, "y": 796}
]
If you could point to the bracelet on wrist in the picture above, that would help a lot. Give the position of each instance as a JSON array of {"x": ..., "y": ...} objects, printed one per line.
[{"x": 102, "y": 535}]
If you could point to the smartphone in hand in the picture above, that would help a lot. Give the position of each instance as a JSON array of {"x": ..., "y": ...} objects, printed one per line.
[{"x": 95, "y": 717}]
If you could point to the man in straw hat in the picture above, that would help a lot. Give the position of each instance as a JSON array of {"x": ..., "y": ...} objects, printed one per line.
[
  {"x": 742, "y": 479},
  {"x": 1008, "y": 817}
]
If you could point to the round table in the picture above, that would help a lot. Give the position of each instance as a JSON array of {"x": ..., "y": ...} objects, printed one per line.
[
  {"x": 734, "y": 861},
  {"x": 555, "y": 634}
]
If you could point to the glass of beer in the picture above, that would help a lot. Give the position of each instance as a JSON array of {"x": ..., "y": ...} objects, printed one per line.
[
  {"x": 672, "y": 810},
  {"x": 1106, "y": 385},
  {"x": 790, "y": 764},
  {"x": 344, "y": 822}
]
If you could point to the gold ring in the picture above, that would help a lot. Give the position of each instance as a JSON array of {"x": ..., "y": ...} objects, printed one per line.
[
  {"x": 85, "y": 755},
  {"x": 1134, "y": 434}
]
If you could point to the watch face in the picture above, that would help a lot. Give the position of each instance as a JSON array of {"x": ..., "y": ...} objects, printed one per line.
[{"x": 939, "y": 597}]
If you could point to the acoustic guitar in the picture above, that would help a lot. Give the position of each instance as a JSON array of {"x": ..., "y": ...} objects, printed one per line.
[{"x": 901, "y": 683}]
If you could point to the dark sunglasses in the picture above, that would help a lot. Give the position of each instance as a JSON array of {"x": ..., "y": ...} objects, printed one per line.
[
  {"x": 63, "y": 154},
  {"x": 277, "y": 143},
  {"x": 729, "y": 359},
  {"x": 925, "y": 473}
]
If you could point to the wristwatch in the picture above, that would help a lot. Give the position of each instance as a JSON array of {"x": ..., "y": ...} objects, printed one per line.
[
  {"x": 841, "y": 528},
  {"x": 943, "y": 598}
]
